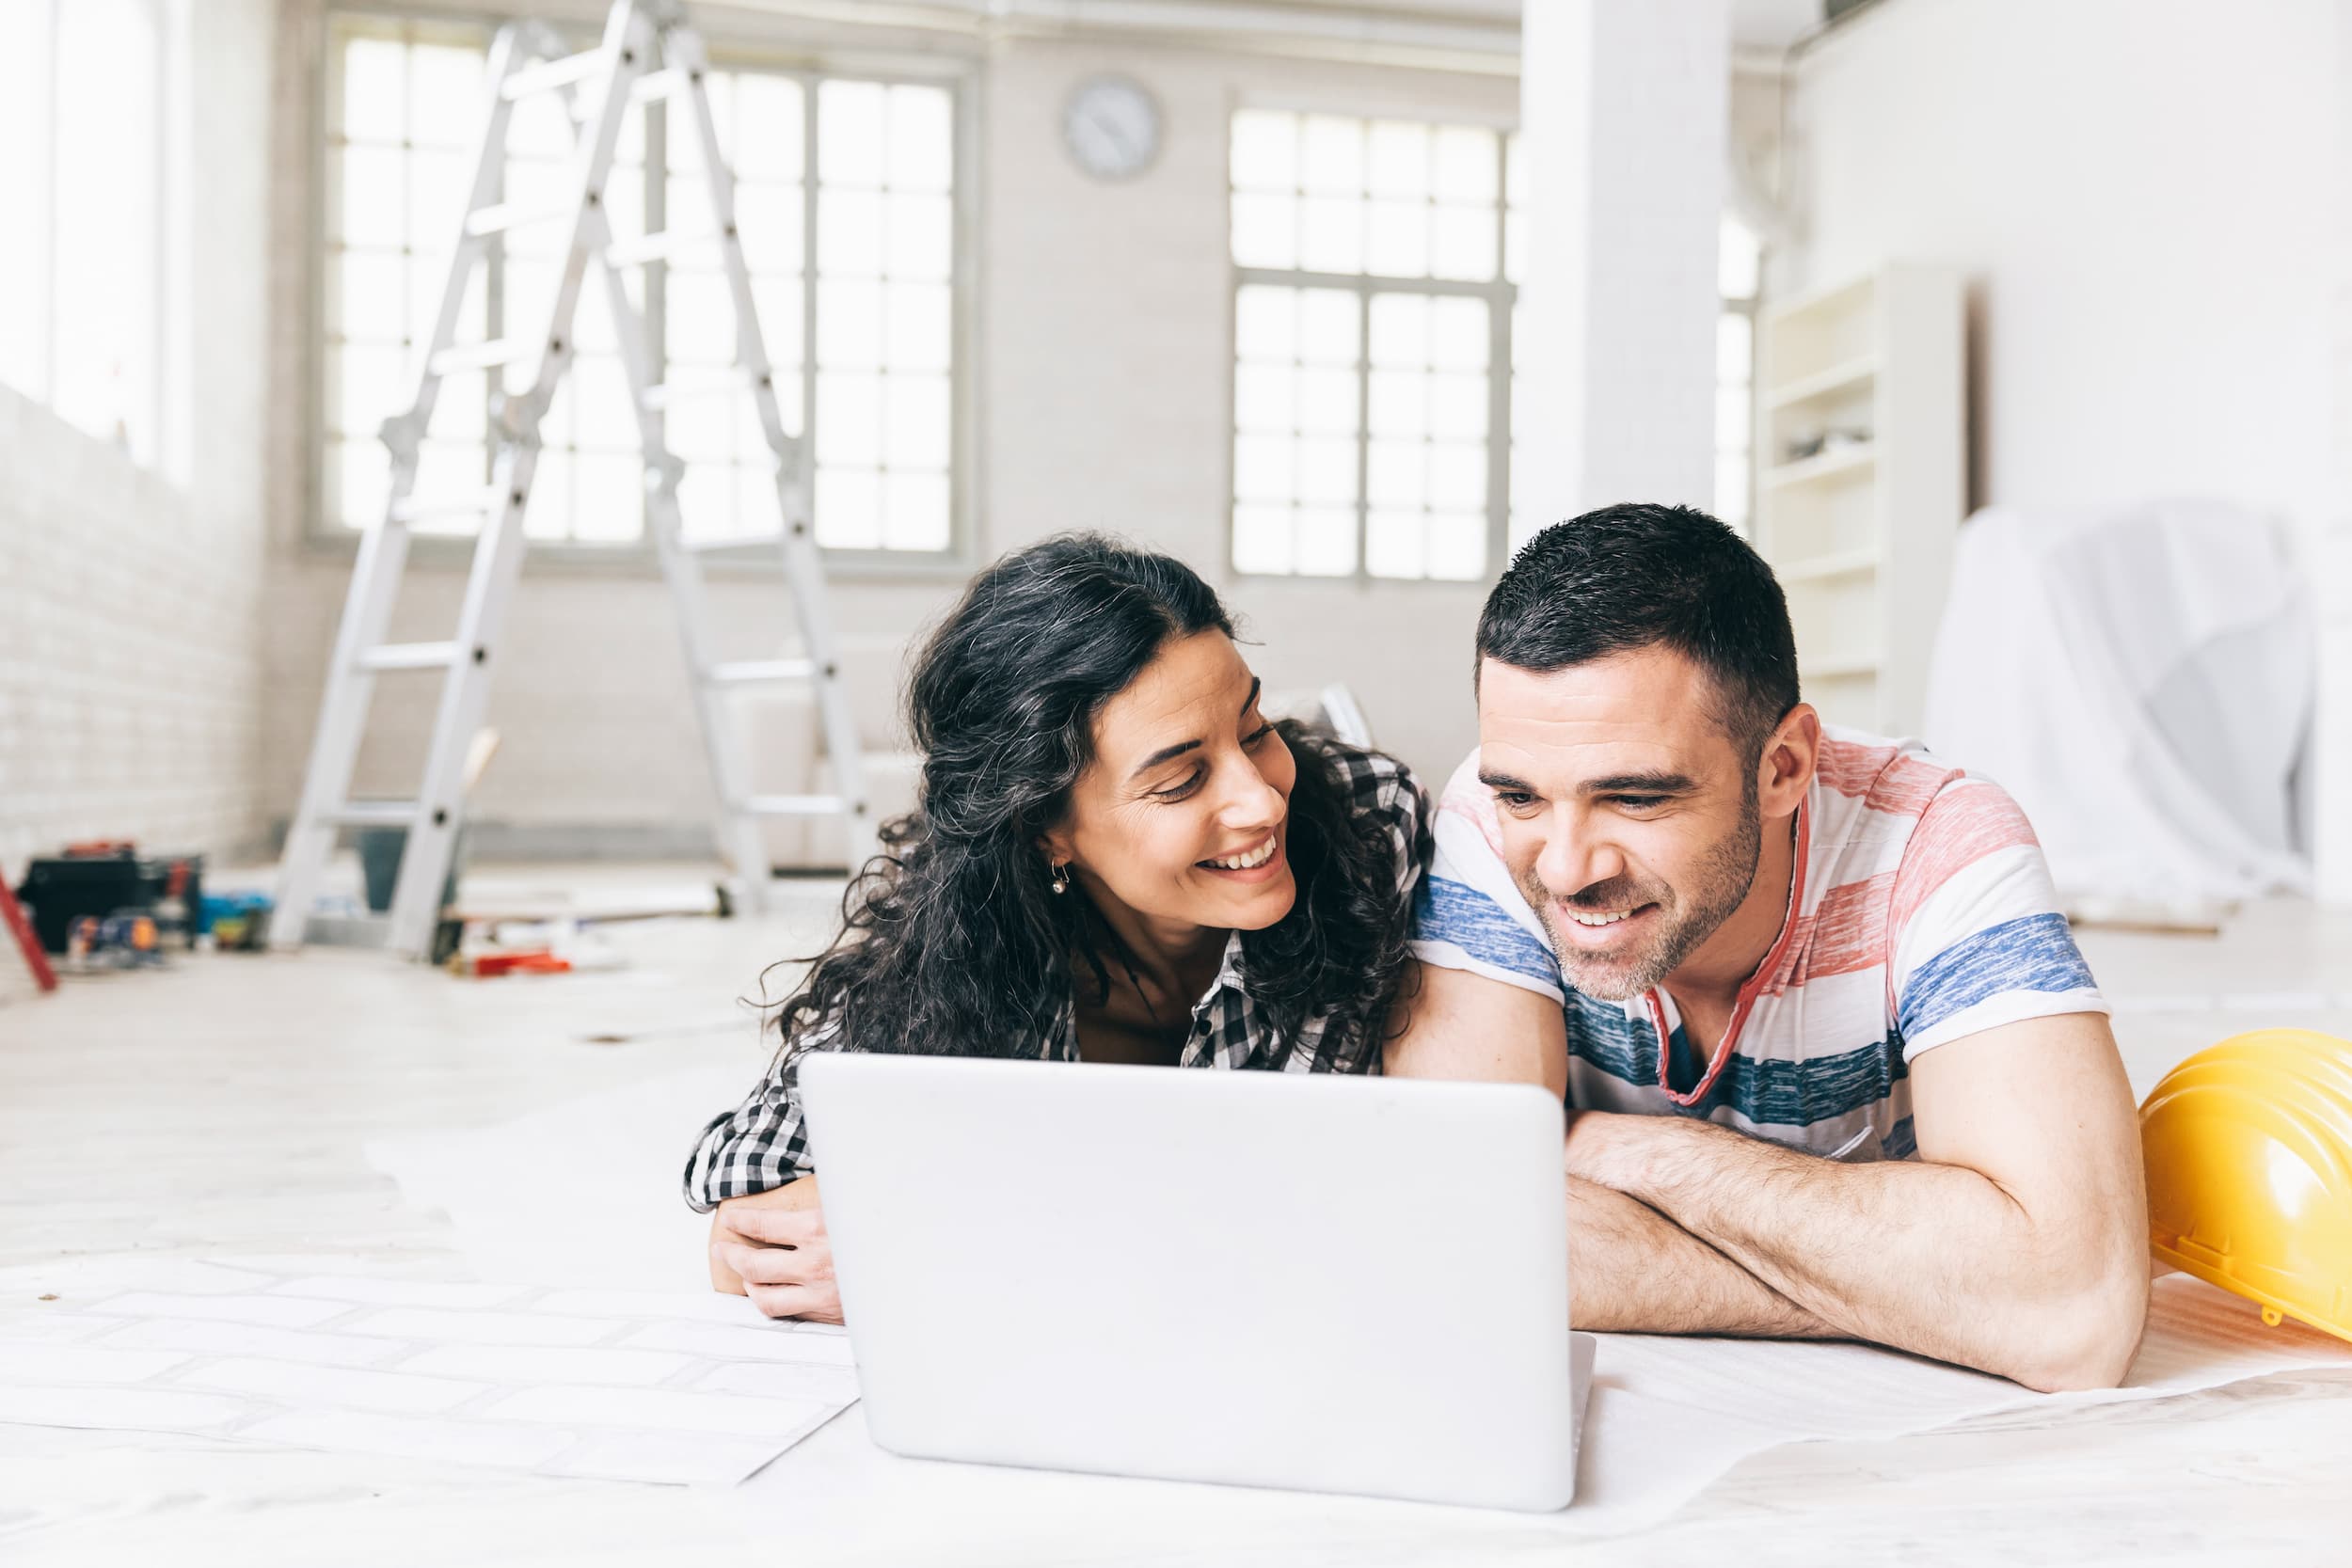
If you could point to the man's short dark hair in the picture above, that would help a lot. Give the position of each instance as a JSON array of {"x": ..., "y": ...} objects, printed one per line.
[{"x": 1632, "y": 577}]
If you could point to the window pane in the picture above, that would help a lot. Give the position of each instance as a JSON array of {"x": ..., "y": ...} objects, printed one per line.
[
  {"x": 915, "y": 512},
  {"x": 1332, "y": 156},
  {"x": 1265, "y": 324},
  {"x": 922, "y": 237},
  {"x": 915, "y": 421},
  {"x": 1265, "y": 150},
  {"x": 1266, "y": 230},
  {"x": 849, "y": 508},
  {"x": 1399, "y": 161},
  {"x": 445, "y": 96},
  {"x": 767, "y": 128},
  {"x": 918, "y": 323},
  {"x": 374, "y": 93},
  {"x": 1262, "y": 539},
  {"x": 922, "y": 139},
  {"x": 850, "y": 130},
  {"x": 107, "y": 198},
  {"x": 1465, "y": 165}
]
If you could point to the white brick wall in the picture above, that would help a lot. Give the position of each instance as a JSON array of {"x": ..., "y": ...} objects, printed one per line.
[{"x": 130, "y": 693}]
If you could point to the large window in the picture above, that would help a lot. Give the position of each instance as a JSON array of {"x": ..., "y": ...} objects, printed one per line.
[
  {"x": 81, "y": 183},
  {"x": 1372, "y": 349},
  {"x": 878, "y": 221}
]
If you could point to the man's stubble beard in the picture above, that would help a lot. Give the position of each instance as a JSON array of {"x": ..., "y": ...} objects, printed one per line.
[{"x": 1725, "y": 876}]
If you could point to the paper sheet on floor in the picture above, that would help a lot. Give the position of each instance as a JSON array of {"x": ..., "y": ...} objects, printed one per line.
[
  {"x": 1668, "y": 1416},
  {"x": 689, "y": 1388}
]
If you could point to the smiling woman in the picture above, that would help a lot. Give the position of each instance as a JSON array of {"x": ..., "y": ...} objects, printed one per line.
[{"x": 1117, "y": 858}]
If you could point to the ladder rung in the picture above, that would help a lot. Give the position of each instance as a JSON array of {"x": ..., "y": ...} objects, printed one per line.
[
  {"x": 659, "y": 246},
  {"x": 509, "y": 215},
  {"x": 700, "y": 381},
  {"x": 730, "y": 542},
  {"x": 549, "y": 74},
  {"x": 480, "y": 357},
  {"x": 658, "y": 84},
  {"x": 754, "y": 670},
  {"x": 409, "y": 656},
  {"x": 795, "y": 805},
  {"x": 409, "y": 509},
  {"x": 371, "y": 814}
]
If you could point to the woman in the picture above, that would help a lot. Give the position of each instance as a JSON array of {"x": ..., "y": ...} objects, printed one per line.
[{"x": 1117, "y": 859}]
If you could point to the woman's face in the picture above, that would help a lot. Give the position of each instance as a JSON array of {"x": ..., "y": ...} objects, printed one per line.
[{"x": 1182, "y": 815}]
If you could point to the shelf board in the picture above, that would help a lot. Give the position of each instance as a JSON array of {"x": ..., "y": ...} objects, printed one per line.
[
  {"x": 1838, "y": 669},
  {"x": 1828, "y": 465},
  {"x": 1822, "y": 568},
  {"x": 1837, "y": 293},
  {"x": 1821, "y": 384}
]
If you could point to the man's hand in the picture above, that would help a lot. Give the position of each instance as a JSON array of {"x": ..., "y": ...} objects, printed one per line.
[{"x": 771, "y": 1247}]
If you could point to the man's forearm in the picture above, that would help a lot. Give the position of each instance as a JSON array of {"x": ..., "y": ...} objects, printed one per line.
[
  {"x": 1633, "y": 1270},
  {"x": 1932, "y": 1258}
]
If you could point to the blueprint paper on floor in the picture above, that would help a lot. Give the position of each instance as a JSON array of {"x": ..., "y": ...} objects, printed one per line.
[{"x": 692, "y": 1389}]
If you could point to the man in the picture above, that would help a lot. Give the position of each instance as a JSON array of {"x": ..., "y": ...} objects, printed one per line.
[{"x": 1834, "y": 1065}]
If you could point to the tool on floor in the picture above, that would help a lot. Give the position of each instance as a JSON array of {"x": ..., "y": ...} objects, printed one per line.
[
  {"x": 648, "y": 51},
  {"x": 109, "y": 876},
  {"x": 2248, "y": 1149},
  {"x": 23, "y": 967}
]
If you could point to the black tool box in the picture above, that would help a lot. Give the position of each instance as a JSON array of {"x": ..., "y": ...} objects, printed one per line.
[{"x": 110, "y": 879}]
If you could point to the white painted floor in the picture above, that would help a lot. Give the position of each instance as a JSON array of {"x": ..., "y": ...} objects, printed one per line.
[{"x": 218, "y": 1107}]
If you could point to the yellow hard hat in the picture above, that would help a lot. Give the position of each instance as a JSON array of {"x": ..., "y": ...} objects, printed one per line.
[{"x": 2248, "y": 1148}]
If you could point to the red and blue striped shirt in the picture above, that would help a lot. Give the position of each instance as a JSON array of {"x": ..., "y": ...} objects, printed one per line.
[{"x": 1921, "y": 911}]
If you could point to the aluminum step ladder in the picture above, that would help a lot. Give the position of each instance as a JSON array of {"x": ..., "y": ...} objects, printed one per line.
[{"x": 648, "y": 51}]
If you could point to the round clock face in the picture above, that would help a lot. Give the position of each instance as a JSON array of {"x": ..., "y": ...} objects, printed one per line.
[{"x": 1113, "y": 127}]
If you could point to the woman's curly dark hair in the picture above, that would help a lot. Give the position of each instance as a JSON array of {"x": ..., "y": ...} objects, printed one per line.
[{"x": 953, "y": 942}]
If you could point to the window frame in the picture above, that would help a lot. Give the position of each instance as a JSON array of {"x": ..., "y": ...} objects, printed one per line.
[
  {"x": 322, "y": 536},
  {"x": 1501, "y": 294}
]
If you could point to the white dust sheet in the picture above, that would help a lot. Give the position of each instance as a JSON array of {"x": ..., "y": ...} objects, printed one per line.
[{"x": 628, "y": 1385}]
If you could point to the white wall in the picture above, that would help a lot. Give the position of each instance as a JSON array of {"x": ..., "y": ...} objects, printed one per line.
[
  {"x": 2146, "y": 196},
  {"x": 130, "y": 625},
  {"x": 1104, "y": 396}
]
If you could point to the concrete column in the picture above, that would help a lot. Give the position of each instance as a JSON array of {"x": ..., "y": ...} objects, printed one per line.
[{"x": 1623, "y": 109}]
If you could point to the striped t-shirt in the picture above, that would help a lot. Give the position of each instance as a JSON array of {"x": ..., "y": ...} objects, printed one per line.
[{"x": 1921, "y": 911}]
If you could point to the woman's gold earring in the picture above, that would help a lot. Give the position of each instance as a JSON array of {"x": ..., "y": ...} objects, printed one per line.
[{"x": 1061, "y": 879}]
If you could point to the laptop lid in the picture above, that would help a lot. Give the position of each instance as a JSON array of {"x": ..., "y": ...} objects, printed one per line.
[{"x": 1324, "y": 1283}]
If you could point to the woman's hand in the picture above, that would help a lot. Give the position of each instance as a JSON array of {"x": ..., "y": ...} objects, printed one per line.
[{"x": 771, "y": 1247}]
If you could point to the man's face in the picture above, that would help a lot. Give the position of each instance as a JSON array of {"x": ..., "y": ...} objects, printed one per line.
[{"x": 1629, "y": 819}]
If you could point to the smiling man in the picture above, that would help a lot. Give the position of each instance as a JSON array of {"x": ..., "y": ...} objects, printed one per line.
[{"x": 1834, "y": 1065}]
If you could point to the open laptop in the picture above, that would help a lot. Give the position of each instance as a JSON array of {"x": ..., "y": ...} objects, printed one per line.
[{"x": 1329, "y": 1284}]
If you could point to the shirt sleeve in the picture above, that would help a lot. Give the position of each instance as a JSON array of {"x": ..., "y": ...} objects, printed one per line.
[
  {"x": 1976, "y": 937},
  {"x": 761, "y": 1144},
  {"x": 1469, "y": 913}
]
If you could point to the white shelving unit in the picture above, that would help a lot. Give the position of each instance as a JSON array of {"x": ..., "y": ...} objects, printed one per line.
[{"x": 1860, "y": 531}]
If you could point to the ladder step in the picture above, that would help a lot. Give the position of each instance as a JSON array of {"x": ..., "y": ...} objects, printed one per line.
[
  {"x": 509, "y": 215},
  {"x": 473, "y": 503},
  {"x": 688, "y": 382},
  {"x": 756, "y": 671},
  {"x": 480, "y": 357},
  {"x": 795, "y": 805},
  {"x": 659, "y": 84},
  {"x": 371, "y": 814},
  {"x": 410, "y": 655},
  {"x": 551, "y": 74},
  {"x": 659, "y": 246},
  {"x": 729, "y": 542}
]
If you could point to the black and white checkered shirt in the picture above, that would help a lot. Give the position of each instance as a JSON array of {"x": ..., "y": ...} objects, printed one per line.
[{"x": 763, "y": 1143}]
